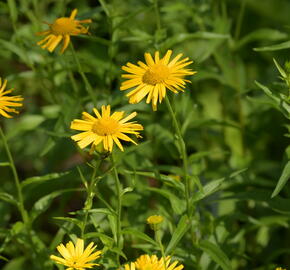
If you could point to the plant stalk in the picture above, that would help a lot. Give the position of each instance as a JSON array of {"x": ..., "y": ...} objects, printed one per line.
[
  {"x": 16, "y": 180},
  {"x": 84, "y": 77},
  {"x": 158, "y": 240},
  {"x": 183, "y": 153},
  {"x": 119, "y": 206},
  {"x": 89, "y": 201}
]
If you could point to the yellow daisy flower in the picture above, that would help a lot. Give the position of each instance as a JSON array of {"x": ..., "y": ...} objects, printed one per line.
[
  {"x": 105, "y": 128},
  {"x": 8, "y": 101},
  {"x": 280, "y": 268},
  {"x": 155, "y": 77},
  {"x": 61, "y": 29},
  {"x": 146, "y": 262},
  {"x": 75, "y": 257}
]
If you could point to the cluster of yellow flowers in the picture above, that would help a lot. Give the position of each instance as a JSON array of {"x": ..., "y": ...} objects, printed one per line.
[
  {"x": 151, "y": 80},
  {"x": 76, "y": 257}
]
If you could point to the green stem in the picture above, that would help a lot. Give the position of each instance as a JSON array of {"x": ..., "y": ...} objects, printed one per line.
[
  {"x": 157, "y": 14},
  {"x": 183, "y": 153},
  {"x": 20, "y": 202},
  {"x": 16, "y": 180},
  {"x": 240, "y": 20},
  {"x": 89, "y": 201},
  {"x": 119, "y": 206},
  {"x": 158, "y": 240},
  {"x": 70, "y": 75},
  {"x": 85, "y": 79}
]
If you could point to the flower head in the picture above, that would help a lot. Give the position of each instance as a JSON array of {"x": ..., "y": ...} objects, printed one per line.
[
  {"x": 280, "y": 268},
  {"x": 155, "y": 77},
  {"x": 8, "y": 101},
  {"x": 61, "y": 29},
  {"x": 155, "y": 221},
  {"x": 146, "y": 262},
  {"x": 75, "y": 257},
  {"x": 106, "y": 128}
]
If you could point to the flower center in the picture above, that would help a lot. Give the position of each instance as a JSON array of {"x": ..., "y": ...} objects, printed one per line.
[
  {"x": 63, "y": 26},
  {"x": 105, "y": 126},
  {"x": 156, "y": 74}
]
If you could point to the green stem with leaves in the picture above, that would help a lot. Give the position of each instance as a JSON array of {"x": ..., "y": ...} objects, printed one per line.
[
  {"x": 158, "y": 240},
  {"x": 182, "y": 149},
  {"x": 119, "y": 206},
  {"x": 89, "y": 199},
  {"x": 20, "y": 203},
  {"x": 84, "y": 77}
]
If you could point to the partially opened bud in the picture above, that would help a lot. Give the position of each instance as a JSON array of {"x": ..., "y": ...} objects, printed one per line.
[{"x": 155, "y": 221}]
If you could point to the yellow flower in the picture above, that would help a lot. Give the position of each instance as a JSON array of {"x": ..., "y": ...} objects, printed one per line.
[
  {"x": 146, "y": 262},
  {"x": 61, "y": 29},
  {"x": 75, "y": 257},
  {"x": 6, "y": 101},
  {"x": 154, "y": 220},
  {"x": 105, "y": 128},
  {"x": 155, "y": 77},
  {"x": 280, "y": 268}
]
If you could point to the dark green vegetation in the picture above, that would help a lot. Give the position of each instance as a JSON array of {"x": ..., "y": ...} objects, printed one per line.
[{"x": 235, "y": 132}]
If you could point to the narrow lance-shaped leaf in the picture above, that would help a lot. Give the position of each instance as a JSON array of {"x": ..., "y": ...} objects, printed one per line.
[
  {"x": 216, "y": 254},
  {"x": 276, "y": 47},
  {"x": 283, "y": 179},
  {"x": 181, "y": 229},
  {"x": 41, "y": 179},
  {"x": 139, "y": 235}
]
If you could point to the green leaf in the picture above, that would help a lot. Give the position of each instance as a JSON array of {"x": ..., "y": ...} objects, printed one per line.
[
  {"x": 3, "y": 258},
  {"x": 7, "y": 198},
  {"x": 15, "y": 264},
  {"x": 4, "y": 164},
  {"x": 139, "y": 235},
  {"x": 282, "y": 180},
  {"x": 130, "y": 199},
  {"x": 261, "y": 34},
  {"x": 41, "y": 179},
  {"x": 178, "y": 206},
  {"x": 208, "y": 189},
  {"x": 276, "y": 47},
  {"x": 104, "y": 211},
  {"x": 106, "y": 240},
  {"x": 281, "y": 70},
  {"x": 216, "y": 254},
  {"x": 212, "y": 187},
  {"x": 278, "y": 103},
  {"x": 181, "y": 229},
  {"x": 71, "y": 220},
  {"x": 42, "y": 204},
  {"x": 15, "y": 49},
  {"x": 166, "y": 179}
]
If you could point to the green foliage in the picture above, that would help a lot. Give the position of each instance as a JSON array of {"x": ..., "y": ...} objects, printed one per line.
[{"x": 233, "y": 119}]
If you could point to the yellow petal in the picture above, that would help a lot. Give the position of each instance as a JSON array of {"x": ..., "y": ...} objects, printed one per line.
[
  {"x": 73, "y": 14},
  {"x": 149, "y": 60},
  {"x": 55, "y": 42}
]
